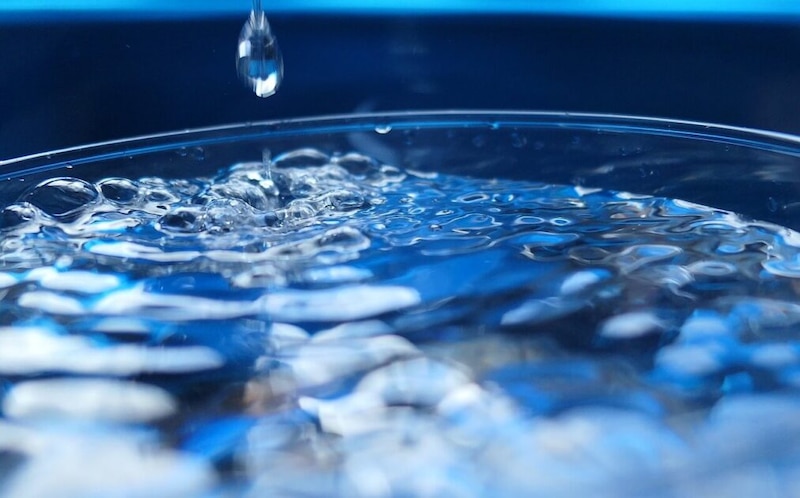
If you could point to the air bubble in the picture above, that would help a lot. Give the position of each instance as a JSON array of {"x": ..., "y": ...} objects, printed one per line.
[
  {"x": 11, "y": 217},
  {"x": 226, "y": 215},
  {"x": 301, "y": 158},
  {"x": 252, "y": 195},
  {"x": 160, "y": 195},
  {"x": 358, "y": 165},
  {"x": 119, "y": 190},
  {"x": 344, "y": 200},
  {"x": 181, "y": 220},
  {"x": 63, "y": 198},
  {"x": 299, "y": 211},
  {"x": 343, "y": 239}
]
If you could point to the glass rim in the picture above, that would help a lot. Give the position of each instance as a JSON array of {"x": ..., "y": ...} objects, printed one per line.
[{"x": 402, "y": 120}]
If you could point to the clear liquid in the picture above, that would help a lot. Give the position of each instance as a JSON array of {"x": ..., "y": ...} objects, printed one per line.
[
  {"x": 258, "y": 60},
  {"x": 341, "y": 327}
]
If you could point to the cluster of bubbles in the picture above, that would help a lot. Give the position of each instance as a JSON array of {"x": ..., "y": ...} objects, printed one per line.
[{"x": 327, "y": 325}]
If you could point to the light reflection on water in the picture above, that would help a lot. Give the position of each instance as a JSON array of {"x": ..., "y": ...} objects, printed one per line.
[{"x": 347, "y": 328}]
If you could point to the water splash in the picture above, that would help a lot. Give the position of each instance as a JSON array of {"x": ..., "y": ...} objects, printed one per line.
[{"x": 323, "y": 324}]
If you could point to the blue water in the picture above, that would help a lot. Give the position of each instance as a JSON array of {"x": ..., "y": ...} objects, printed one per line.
[{"x": 333, "y": 326}]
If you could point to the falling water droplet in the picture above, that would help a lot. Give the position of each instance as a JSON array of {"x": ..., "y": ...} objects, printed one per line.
[{"x": 258, "y": 59}]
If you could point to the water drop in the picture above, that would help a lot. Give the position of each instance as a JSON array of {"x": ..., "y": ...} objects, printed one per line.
[
  {"x": 259, "y": 61},
  {"x": 383, "y": 129}
]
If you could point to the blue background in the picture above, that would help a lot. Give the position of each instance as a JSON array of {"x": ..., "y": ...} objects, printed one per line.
[
  {"x": 86, "y": 71},
  {"x": 718, "y": 9}
]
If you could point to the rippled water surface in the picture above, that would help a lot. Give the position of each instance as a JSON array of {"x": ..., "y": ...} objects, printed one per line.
[{"x": 340, "y": 327}]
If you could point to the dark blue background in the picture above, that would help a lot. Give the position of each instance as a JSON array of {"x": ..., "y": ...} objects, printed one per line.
[{"x": 75, "y": 81}]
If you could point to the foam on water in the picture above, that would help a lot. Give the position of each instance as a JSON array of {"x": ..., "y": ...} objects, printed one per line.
[{"x": 336, "y": 326}]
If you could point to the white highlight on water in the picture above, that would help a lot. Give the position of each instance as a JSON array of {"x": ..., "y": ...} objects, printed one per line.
[
  {"x": 87, "y": 460},
  {"x": 631, "y": 324},
  {"x": 28, "y": 351},
  {"x": 106, "y": 400},
  {"x": 353, "y": 302}
]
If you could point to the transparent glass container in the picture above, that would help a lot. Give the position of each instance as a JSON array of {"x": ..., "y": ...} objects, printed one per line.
[{"x": 687, "y": 396}]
